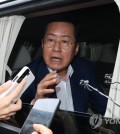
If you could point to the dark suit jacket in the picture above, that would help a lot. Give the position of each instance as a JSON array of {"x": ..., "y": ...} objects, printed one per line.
[{"x": 81, "y": 96}]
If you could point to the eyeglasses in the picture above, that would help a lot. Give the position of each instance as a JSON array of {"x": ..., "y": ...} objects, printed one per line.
[{"x": 63, "y": 43}]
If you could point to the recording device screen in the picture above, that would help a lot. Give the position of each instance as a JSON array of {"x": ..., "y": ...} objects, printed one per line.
[{"x": 42, "y": 112}]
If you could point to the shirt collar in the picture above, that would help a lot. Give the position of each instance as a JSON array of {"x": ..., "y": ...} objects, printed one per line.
[{"x": 69, "y": 71}]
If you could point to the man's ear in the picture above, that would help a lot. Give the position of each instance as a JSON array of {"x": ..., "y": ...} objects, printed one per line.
[{"x": 77, "y": 48}]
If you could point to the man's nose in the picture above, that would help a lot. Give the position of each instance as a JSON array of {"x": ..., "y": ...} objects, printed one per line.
[{"x": 57, "y": 46}]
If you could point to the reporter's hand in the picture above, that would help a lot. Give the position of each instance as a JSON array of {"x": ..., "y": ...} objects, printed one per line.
[
  {"x": 7, "y": 108},
  {"x": 39, "y": 128},
  {"x": 46, "y": 85}
]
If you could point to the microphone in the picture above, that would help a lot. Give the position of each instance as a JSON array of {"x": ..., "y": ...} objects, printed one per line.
[{"x": 86, "y": 84}]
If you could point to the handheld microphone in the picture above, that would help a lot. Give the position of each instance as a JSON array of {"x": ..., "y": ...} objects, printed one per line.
[{"x": 86, "y": 84}]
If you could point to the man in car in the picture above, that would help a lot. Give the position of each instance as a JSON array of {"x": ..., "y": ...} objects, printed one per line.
[{"x": 59, "y": 71}]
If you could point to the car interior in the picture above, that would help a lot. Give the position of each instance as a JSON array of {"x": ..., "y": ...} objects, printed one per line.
[{"x": 99, "y": 37}]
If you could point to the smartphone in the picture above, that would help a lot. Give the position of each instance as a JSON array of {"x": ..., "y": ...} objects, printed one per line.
[
  {"x": 25, "y": 73},
  {"x": 42, "y": 112}
]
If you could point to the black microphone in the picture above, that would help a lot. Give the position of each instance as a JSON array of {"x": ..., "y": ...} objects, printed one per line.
[{"x": 86, "y": 84}]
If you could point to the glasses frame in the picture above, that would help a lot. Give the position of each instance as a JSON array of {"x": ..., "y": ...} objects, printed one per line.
[{"x": 51, "y": 42}]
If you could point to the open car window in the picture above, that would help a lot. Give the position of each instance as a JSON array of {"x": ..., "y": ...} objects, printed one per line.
[{"x": 99, "y": 40}]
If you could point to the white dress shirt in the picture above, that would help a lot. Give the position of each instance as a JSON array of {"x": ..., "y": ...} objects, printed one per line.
[{"x": 63, "y": 91}]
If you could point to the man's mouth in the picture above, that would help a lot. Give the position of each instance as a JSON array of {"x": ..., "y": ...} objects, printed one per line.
[{"x": 55, "y": 59}]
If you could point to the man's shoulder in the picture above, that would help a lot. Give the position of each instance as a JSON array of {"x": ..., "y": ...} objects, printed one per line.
[
  {"x": 83, "y": 67},
  {"x": 36, "y": 64},
  {"x": 80, "y": 61}
]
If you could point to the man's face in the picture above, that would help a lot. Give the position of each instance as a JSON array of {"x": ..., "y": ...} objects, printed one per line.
[{"x": 59, "y": 46}]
